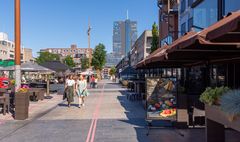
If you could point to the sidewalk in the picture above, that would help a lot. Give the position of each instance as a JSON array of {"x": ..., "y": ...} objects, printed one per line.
[{"x": 36, "y": 108}]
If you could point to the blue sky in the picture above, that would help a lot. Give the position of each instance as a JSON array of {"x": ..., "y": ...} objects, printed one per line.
[{"x": 60, "y": 23}]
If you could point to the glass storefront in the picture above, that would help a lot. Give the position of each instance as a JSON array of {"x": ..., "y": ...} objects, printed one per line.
[
  {"x": 231, "y": 5},
  {"x": 205, "y": 14}
]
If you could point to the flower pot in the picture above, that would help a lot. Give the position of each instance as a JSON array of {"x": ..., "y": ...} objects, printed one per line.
[{"x": 21, "y": 106}]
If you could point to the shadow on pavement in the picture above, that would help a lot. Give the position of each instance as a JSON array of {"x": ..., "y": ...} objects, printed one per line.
[{"x": 136, "y": 116}]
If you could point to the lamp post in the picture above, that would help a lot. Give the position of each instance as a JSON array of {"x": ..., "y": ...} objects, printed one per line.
[
  {"x": 89, "y": 43},
  {"x": 17, "y": 44}
]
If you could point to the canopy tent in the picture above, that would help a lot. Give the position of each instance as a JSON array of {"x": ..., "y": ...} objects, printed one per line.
[
  {"x": 28, "y": 67},
  {"x": 6, "y": 63},
  {"x": 87, "y": 73},
  {"x": 128, "y": 70},
  {"x": 55, "y": 66}
]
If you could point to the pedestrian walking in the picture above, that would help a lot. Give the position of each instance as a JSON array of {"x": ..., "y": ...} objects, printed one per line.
[
  {"x": 70, "y": 89},
  {"x": 92, "y": 83},
  {"x": 82, "y": 91}
]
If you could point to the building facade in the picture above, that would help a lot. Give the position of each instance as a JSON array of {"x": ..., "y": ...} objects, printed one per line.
[
  {"x": 7, "y": 48},
  {"x": 199, "y": 14},
  {"x": 142, "y": 47},
  {"x": 76, "y": 53},
  {"x": 124, "y": 36},
  {"x": 168, "y": 21},
  {"x": 112, "y": 60},
  {"x": 27, "y": 55}
]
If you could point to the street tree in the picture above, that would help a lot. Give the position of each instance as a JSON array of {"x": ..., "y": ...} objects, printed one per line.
[
  {"x": 69, "y": 61},
  {"x": 85, "y": 63},
  {"x": 47, "y": 57},
  {"x": 155, "y": 38},
  {"x": 112, "y": 71},
  {"x": 99, "y": 58}
]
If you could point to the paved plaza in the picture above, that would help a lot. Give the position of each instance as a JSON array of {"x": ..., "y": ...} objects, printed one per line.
[{"x": 107, "y": 117}]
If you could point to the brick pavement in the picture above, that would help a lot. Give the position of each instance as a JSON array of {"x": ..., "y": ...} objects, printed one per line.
[{"x": 107, "y": 117}]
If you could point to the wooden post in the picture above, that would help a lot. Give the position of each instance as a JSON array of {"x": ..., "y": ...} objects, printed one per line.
[{"x": 17, "y": 44}]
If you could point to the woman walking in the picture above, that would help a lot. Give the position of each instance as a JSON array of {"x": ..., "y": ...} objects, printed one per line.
[
  {"x": 81, "y": 90},
  {"x": 70, "y": 87}
]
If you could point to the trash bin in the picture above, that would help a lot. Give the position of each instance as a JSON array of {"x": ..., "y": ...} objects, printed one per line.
[{"x": 21, "y": 106}]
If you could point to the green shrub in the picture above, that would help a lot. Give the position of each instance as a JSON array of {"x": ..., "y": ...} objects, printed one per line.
[{"x": 211, "y": 95}]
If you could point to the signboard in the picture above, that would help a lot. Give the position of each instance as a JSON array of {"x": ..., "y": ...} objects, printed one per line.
[{"x": 161, "y": 99}]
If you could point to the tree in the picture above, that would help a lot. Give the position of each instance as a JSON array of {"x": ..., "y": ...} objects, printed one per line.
[
  {"x": 155, "y": 38},
  {"x": 99, "y": 57},
  {"x": 46, "y": 57},
  {"x": 112, "y": 71},
  {"x": 84, "y": 63},
  {"x": 69, "y": 61}
]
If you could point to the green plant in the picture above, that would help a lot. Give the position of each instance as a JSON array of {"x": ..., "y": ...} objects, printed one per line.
[
  {"x": 211, "y": 95},
  {"x": 69, "y": 61},
  {"x": 230, "y": 102},
  {"x": 155, "y": 39},
  {"x": 112, "y": 71}
]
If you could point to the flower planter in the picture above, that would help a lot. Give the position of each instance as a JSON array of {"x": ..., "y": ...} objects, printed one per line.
[
  {"x": 216, "y": 114},
  {"x": 216, "y": 121},
  {"x": 21, "y": 106}
]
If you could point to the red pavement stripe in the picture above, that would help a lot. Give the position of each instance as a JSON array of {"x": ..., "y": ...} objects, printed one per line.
[
  {"x": 92, "y": 129},
  {"x": 97, "y": 115}
]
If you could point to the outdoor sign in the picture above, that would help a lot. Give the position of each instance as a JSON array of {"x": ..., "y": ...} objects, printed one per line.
[{"x": 161, "y": 98}]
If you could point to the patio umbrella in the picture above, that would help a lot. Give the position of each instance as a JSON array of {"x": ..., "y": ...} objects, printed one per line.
[
  {"x": 28, "y": 67},
  {"x": 31, "y": 67}
]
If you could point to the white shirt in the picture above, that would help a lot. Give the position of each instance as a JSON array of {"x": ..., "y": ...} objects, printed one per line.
[{"x": 70, "y": 82}]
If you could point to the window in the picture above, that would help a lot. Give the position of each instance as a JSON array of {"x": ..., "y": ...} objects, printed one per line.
[
  {"x": 11, "y": 56},
  {"x": 190, "y": 23},
  {"x": 183, "y": 5},
  {"x": 183, "y": 28},
  {"x": 231, "y": 5},
  {"x": 4, "y": 43},
  {"x": 205, "y": 14},
  {"x": 190, "y": 2}
]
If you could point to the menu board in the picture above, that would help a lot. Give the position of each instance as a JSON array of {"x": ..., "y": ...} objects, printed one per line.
[{"x": 161, "y": 99}]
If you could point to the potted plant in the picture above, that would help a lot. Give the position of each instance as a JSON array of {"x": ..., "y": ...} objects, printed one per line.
[
  {"x": 211, "y": 96},
  {"x": 226, "y": 112},
  {"x": 21, "y": 103}
]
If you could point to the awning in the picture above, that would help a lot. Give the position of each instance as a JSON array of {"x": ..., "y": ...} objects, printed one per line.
[
  {"x": 28, "y": 67},
  {"x": 55, "y": 65},
  {"x": 219, "y": 41},
  {"x": 223, "y": 32}
]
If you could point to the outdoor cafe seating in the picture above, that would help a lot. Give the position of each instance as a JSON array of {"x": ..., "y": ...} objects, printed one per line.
[{"x": 4, "y": 101}]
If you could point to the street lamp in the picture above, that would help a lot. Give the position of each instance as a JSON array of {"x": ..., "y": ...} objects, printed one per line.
[{"x": 17, "y": 44}]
